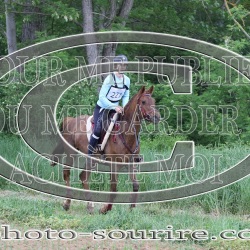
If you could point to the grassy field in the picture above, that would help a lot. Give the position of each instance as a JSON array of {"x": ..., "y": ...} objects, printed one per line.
[{"x": 224, "y": 209}]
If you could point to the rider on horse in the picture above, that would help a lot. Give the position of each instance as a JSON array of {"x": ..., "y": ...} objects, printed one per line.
[{"x": 115, "y": 88}]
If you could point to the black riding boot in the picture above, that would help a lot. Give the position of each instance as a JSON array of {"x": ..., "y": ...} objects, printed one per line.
[{"x": 92, "y": 144}]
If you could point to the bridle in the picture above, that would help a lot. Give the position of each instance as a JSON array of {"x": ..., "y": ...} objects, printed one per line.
[{"x": 146, "y": 116}]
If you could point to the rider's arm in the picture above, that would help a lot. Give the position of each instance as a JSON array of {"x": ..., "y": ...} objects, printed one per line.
[{"x": 125, "y": 97}]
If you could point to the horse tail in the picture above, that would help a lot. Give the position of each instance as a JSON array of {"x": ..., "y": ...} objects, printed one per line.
[
  {"x": 61, "y": 127},
  {"x": 59, "y": 149}
]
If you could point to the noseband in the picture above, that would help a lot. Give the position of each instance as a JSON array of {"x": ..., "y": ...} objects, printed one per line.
[{"x": 146, "y": 116}]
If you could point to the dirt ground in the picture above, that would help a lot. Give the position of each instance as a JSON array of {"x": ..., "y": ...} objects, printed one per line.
[
  {"x": 86, "y": 242},
  {"x": 91, "y": 245}
]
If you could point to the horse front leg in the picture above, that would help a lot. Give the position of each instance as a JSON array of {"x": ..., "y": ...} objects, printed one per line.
[
  {"x": 84, "y": 177},
  {"x": 135, "y": 189},
  {"x": 113, "y": 189}
]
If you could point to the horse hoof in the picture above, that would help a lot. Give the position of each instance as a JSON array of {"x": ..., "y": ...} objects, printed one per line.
[
  {"x": 131, "y": 209},
  {"x": 52, "y": 164},
  {"x": 103, "y": 210},
  {"x": 66, "y": 207},
  {"x": 90, "y": 209}
]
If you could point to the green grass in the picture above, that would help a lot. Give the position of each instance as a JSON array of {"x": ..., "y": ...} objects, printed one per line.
[
  {"x": 214, "y": 212},
  {"x": 32, "y": 210},
  {"x": 232, "y": 199}
]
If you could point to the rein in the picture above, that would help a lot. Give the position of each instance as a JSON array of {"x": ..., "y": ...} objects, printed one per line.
[
  {"x": 145, "y": 116},
  {"x": 127, "y": 147}
]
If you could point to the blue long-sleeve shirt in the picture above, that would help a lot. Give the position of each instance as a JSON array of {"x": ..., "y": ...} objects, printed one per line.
[{"x": 103, "y": 101}]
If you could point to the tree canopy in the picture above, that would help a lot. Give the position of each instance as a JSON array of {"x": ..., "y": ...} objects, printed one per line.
[{"x": 224, "y": 109}]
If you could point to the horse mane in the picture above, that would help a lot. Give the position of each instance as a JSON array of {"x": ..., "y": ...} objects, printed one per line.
[
  {"x": 136, "y": 96},
  {"x": 133, "y": 99}
]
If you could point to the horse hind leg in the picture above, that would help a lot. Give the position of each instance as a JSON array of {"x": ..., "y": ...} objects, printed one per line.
[
  {"x": 84, "y": 177},
  {"x": 66, "y": 177}
]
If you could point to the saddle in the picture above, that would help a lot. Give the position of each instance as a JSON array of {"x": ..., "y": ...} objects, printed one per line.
[
  {"x": 103, "y": 138},
  {"x": 105, "y": 128}
]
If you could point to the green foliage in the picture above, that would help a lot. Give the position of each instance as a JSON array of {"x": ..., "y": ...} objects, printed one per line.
[
  {"x": 233, "y": 199},
  {"x": 18, "y": 82},
  {"x": 80, "y": 99},
  {"x": 31, "y": 210},
  {"x": 208, "y": 21},
  {"x": 3, "y": 183},
  {"x": 3, "y": 42},
  {"x": 213, "y": 211}
]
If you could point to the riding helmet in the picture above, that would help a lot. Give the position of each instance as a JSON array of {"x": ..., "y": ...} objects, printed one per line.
[{"x": 120, "y": 58}]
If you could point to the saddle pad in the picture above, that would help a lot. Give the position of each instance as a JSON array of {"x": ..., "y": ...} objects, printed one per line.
[
  {"x": 89, "y": 132},
  {"x": 89, "y": 127}
]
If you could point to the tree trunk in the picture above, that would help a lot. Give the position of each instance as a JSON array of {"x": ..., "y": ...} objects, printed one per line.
[
  {"x": 88, "y": 26},
  {"x": 10, "y": 27},
  {"x": 125, "y": 10},
  {"x": 35, "y": 24},
  {"x": 110, "y": 49},
  {"x": 111, "y": 13}
]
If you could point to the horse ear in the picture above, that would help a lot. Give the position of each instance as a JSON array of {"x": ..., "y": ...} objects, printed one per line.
[
  {"x": 142, "y": 90},
  {"x": 150, "y": 90}
]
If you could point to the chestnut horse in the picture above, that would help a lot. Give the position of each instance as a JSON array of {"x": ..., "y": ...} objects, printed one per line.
[{"x": 140, "y": 106}]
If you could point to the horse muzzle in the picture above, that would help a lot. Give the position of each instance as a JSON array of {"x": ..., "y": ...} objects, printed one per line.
[{"x": 156, "y": 119}]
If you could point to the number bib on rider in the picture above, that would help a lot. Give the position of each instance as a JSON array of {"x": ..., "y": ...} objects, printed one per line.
[{"x": 115, "y": 94}]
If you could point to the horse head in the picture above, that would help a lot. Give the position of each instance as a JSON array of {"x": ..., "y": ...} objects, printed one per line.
[{"x": 146, "y": 104}]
